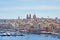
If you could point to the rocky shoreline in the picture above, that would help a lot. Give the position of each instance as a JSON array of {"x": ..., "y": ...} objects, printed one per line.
[
  {"x": 50, "y": 33},
  {"x": 44, "y": 32}
]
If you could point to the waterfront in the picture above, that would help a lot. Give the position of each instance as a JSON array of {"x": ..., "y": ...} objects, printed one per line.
[
  {"x": 30, "y": 28},
  {"x": 31, "y": 37}
]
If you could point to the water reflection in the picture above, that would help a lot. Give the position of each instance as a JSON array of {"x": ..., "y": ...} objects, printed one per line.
[{"x": 58, "y": 37}]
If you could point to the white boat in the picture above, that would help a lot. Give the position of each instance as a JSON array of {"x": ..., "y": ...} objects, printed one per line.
[
  {"x": 4, "y": 34},
  {"x": 8, "y": 34}
]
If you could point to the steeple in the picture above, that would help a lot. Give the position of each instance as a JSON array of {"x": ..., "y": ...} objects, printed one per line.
[
  {"x": 34, "y": 16},
  {"x": 28, "y": 16},
  {"x": 18, "y": 17}
]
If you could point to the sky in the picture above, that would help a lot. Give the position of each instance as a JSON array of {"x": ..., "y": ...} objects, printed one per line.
[{"x": 11, "y": 9}]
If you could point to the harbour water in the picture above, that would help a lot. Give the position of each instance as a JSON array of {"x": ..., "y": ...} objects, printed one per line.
[{"x": 31, "y": 37}]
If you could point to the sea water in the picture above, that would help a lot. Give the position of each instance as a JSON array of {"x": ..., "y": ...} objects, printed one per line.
[{"x": 31, "y": 37}]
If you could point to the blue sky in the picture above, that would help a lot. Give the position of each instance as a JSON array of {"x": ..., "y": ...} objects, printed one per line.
[{"x": 10, "y": 9}]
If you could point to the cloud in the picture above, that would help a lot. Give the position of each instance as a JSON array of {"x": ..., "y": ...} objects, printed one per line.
[{"x": 31, "y": 8}]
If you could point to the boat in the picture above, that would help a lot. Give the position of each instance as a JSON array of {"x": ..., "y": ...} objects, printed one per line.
[{"x": 2, "y": 33}]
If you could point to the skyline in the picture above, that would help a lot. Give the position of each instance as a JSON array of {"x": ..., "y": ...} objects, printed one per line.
[{"x": 11, "y": 9}]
